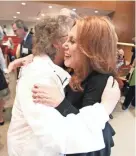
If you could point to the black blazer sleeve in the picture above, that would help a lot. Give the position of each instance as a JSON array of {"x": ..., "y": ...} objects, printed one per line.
[
  {"x": 94, "y": 89},
  {"x": 92, "y": 94},
  {"x": 66, "y": 108}
]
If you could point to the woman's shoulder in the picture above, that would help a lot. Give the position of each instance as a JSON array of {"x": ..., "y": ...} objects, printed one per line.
[
  {"x": 96, "y": 76},
  {"x": 94, "y": 86},
  {"x": 97, "y": 80}
]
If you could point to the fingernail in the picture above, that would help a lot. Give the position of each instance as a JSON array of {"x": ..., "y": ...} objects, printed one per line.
[{"x": 35, "y": 85}]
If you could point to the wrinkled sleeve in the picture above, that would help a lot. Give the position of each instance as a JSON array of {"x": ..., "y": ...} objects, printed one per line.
[{"x": 71, "y": 134}]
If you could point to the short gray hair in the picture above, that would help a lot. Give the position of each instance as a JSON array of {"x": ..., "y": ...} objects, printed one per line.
[
  {"x": 50, "y": 29},
  {"x": 20, "y": 24}
]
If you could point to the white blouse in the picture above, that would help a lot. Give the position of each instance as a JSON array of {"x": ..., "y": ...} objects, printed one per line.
[
  {"x": 2, "y": 62},
  {"x": 39, "y": 130}
]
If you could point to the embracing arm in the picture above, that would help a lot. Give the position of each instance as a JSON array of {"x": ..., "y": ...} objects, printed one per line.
[
  {"x": 66, "y": 134},
  {"x": 66, "y": 108},
  {"x": 93, "y": 94},
  {"x": 20, "y": 62}
]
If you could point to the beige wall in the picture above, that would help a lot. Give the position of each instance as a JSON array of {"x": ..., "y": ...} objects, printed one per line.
[
  {"x": 123, "y": 17},
  {"x": 124, "y": 20},
  {"x": 102, "y": 5}
]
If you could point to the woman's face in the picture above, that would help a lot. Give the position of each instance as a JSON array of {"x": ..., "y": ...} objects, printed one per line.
[
  {"x": 59, "y": 58},
  {"x": 71, "y": 55}
]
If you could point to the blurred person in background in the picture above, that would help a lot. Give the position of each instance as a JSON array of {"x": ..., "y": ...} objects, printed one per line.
[
  {"x": 31, "y": 31},
  {"x": 133, "y": 55},
  {"x": 3, "y": 83},
  {"x": 2, "y": 60},
  {"x": 9, "y": 43},
  {"x": 21, "y": 30},
  {"x": 18, "y": 52},
  {"x": 11, "y": 46},
  {"x": 5, "y": 30},
  {"x": 4, "y": 91},
  {"x": 130, "y": 95},
  {"x": 1, "y": 34},
  {"x": 120, "y": 57},
  {"x": 133, "y": 51}
]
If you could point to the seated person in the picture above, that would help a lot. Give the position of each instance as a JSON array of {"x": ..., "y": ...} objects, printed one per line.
[{"x": 120, "y": 58}]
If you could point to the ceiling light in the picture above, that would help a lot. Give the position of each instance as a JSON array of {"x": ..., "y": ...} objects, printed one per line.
[
  {"x": 23, "y": 3},
  {"x": 74, "y": 9},
  {"x": 96, "y": 11},
  {"x": 18, "y": 12},
  {"x": 50, "y": 6},
  {"x": 38, "y": 18},
  {"x": 42, "y": 15},
  {"x": 14, "y": 16}
]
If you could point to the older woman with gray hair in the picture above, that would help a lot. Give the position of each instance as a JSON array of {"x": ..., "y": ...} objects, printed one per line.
[
  {"x": 59, "y": 57},
  {"x": 40, "y": 130}
]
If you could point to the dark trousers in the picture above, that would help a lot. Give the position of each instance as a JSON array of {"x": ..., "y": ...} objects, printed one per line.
[
  {"x": 132, "y": 58},
  {"x": 18, "y": 70},
  {"x": 130, "y": 97}
]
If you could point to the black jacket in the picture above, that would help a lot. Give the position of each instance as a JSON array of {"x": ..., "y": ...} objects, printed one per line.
[
  {"x": 26, "y": 44},
  {"x": 93, "y": 86},
  {"x": 3, "y": 83}
]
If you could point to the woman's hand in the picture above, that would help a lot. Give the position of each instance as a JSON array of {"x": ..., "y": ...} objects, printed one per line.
[
  {"x": 48, "y": 95},
  {"x": 111, "y": 95},
  {"x": 20, "y": 62},
  {"x": 51, "y": 95}
]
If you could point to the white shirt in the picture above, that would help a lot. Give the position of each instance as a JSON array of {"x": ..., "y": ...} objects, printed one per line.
[
  {"x": 5, "y": 30},
  {"x": 1, "y": 33},
  {"x": 39, "y": 130},
  {"x": 25, "y": 50},
  {"x": 2, "y": 62},
  {"x": 26, "y": 36}
]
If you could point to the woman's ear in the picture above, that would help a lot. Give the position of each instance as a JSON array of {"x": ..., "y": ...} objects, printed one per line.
[{"x": 56, "y": 45}]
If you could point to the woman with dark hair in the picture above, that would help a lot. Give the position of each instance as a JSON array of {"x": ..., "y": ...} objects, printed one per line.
[{"x": 90, "y": 51}]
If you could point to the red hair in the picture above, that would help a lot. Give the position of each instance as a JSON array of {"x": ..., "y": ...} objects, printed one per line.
[{"x": 97, "y": 45}]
